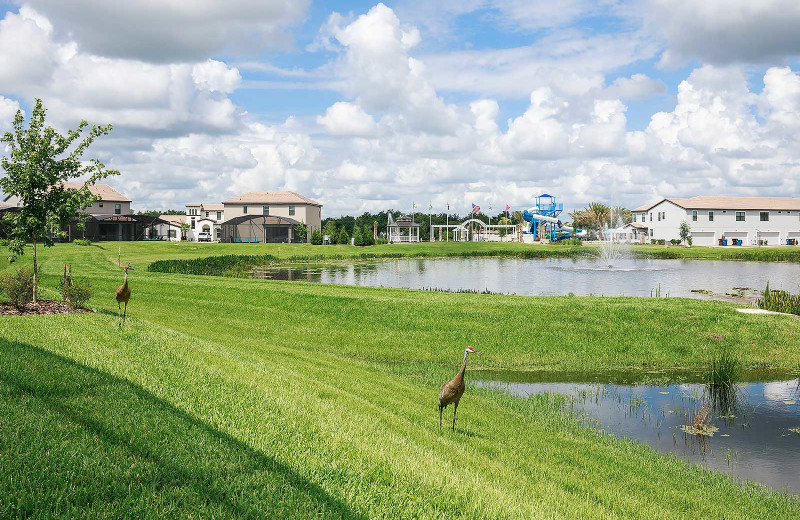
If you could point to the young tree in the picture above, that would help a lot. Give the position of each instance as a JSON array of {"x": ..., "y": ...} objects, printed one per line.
[
  {"x": 81, "y": 219},
  {"x": 316, "y": 237},
  {"x": 301, "y": 231},
  {"x": 685, "y": 232},
  {"x": 503, "y": 222},
  {"x": 343, "y": 237},
  {"x": 40, "y": 160}
]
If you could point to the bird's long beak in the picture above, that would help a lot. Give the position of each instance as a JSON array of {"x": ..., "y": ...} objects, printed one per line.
[{"x": 131, "y": 268}]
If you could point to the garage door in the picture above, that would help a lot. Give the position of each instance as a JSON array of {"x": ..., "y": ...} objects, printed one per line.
[
  {"x": 772, "y": 237},
  {"x": 703, "y": 238}
]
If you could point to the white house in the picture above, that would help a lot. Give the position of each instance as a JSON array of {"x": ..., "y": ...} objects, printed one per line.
[
  {"x": 204, "y": 218},
  {"x": 753, "y": 220}
]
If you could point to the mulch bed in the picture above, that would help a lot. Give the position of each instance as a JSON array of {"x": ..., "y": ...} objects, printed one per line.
[{"x": 41, "y": 307}]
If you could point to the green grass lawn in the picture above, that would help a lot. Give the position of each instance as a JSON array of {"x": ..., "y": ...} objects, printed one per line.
[{"x": 247, "y": 398}]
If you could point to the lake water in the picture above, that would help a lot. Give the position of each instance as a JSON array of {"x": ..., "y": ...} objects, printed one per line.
[
  {"x": 754, "y": 440},
  {"x": 554, "y": 276}
]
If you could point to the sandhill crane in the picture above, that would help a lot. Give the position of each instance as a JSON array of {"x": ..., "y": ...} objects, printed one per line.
[
  {"x": 123, "y": 294},
  {"x": 453, "y": 390}
]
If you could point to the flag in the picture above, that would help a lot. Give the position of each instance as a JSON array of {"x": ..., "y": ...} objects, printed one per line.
[
  {"x": 448, "y": 206},
  {"x": 508, "y": 207},
  {"x": 430, "y": 207},
  {"x": 490, "y": 207},
  {"x": 475, "y": 209},
  {"x": 414, "y": 205}
]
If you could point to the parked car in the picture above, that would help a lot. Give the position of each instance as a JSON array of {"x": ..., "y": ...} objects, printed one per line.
[{"x": 204, "y": 236}]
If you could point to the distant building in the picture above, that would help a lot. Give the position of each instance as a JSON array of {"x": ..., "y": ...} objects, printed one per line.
[
  {"x": 751, "y": 220},
  {"x": 110, "y": 217},
  {"x": 269, "y": 216}
]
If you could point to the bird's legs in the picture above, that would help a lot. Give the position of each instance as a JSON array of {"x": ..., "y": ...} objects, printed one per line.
[
  {"x": 455, "y": 407},
  {"x": 125, "y": 314},
  {"x": 440, "y": 416},
  {"x": 119, "y": 314}
]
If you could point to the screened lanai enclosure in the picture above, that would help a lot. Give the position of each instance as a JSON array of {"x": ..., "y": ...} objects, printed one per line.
[
  {"x": 117, "y": 227},
  {"x": 255, "y": 229}
]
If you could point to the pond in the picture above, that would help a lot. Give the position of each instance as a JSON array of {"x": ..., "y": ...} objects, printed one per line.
[
  {"x": 752, "y": 432},
  {"x": 554, "y": 276}
]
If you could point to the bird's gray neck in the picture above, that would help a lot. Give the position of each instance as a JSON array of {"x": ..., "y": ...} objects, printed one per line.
[
  {"x": 463, "y": 366},
  {"x": 126, "y": 279}
]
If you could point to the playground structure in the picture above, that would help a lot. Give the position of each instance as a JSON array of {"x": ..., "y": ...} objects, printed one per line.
[
  {"x": 474, "y": 230},
  {"x": 544, "y": 221}
]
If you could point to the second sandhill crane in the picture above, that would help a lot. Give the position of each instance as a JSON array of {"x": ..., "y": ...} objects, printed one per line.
[
  {"x": 123, "y": 295},
  {"x": 452, "y": 390}
]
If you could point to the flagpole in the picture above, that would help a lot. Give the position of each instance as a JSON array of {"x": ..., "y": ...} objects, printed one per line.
[{"x": 447, "y": 220}]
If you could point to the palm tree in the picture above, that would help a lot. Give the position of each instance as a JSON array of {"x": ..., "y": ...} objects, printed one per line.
[{"x": 600, "y": 215}]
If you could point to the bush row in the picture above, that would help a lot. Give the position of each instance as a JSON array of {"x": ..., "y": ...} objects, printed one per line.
[{"x": 780, "y": 301}]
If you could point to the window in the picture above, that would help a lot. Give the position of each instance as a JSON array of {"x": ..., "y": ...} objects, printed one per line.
[
  {"x": 192, "y": 223},
  {"x": 265, "y": 210},
  {"x": 764, "y": 216},
  {"x": 292, "y": 207},
  {"x": 644, "y": 217},
  {"x": 651, "y": 216},
  {"x": 291, "y": 210},
  {"x": 244, "y": 209},
  {"x": 99, "y": 204},
  {"x": 219, "y": 215},
  {"x": 659, "y": 216},
  {"x": 651, "y": 231},
  {"x": 740, "y": 216},
  {"x": 117, "y": 209},
  {"x": 171, "y": 233},
  {"x": 711, "y": 216},
  {"x": 206, "y": 213},
  {"x": 694, "y": 216}
]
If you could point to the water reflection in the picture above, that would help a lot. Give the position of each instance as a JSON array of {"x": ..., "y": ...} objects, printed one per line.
[
  {"x": 553, "y": 276},
  {"x": 751, "y": 434}
]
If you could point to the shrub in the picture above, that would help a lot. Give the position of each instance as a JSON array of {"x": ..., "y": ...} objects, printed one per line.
[
  {"x": 81, "y": 242},
  {"x": 4, "y": 242},
  {"x": 316, "y": 237},
  {"x": 78, "y": 294},
  {"x": 18, "y": 286},
  {"x": 343, "y": 238},
  {"x": 674, "y": 241}
]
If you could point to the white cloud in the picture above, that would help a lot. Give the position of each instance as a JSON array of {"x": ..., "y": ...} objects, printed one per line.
[
  {"x": 173, "y": 30},
  {"x": 346, "y": 119},
  {"x": 726, "y": 31},
  {"x": 636, "y": 87},
  {"x": 8, "y": 109}
]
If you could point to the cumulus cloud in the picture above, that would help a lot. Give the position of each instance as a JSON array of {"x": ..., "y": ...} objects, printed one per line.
[
  {"x": 138, "y": 97},
  {"x": 636, "y": 87},
  {"x": 346, "y": 119},
  {"x": 173, "y": 30},
  {"x": 726, "y": 31}
]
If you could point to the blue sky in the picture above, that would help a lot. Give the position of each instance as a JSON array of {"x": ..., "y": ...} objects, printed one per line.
[{"x": 367, "y": 105}]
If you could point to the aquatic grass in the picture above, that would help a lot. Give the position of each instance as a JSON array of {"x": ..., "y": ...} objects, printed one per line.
[{"x": 780, "y": 301}]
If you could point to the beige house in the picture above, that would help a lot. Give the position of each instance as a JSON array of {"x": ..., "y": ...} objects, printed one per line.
[
  {"x": 111, "y": 201},
  {"x": 276, "y": 204}
]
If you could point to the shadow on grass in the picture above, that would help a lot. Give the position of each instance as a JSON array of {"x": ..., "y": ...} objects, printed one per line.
[{"x": 75, "y": 439}]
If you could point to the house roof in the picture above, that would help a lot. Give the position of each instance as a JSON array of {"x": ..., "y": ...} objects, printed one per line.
[
  {"x": 644, "y": 208},
  {"x": 106, "y": 192},
  {"x": 739, "y": 202},
  {"x": 213, "y": 207},
  {"x": 173, "y": 219},
  {"x": 721, "y": 202},
  {"x": 271, "y": 197}
]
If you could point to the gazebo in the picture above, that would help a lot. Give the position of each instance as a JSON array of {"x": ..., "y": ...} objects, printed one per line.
[{"x": 404, "y": 229}]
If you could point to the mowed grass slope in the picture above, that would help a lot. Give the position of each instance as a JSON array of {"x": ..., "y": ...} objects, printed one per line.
[{"x": 246, "y": 398}]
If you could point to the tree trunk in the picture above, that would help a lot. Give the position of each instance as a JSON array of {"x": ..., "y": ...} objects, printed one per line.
[{"x": 35, "y": 271}]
